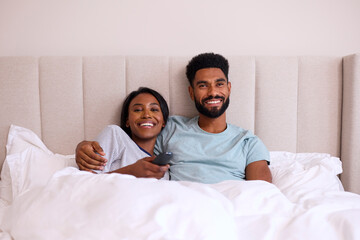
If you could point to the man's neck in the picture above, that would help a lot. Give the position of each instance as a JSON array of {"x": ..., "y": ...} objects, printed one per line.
[{"x": 212, "y": 125}]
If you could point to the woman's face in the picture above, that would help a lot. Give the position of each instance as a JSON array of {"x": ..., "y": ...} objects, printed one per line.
[{"x": 145, "y": 117}]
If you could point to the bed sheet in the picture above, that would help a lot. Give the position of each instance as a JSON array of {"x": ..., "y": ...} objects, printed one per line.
[
  {"x": 80, "y": 205},
  {"x": 41, "y": 197}
]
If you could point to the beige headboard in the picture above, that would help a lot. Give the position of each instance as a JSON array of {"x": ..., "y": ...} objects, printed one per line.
[{"x": 293, "y": 103}]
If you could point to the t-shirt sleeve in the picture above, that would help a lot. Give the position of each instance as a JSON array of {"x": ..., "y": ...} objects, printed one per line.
[
  {"x": 106, "y": 140},
  {"x": 257, "y": 151},
  {"x": 111, "y": 139},
  {"x": 158, "y": 145},
  {"x": 163, "y": 138}
]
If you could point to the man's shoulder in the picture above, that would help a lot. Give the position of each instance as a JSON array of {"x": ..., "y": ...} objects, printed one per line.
[
  {"x": 178, "y": 119},
  {"x": 245, "y": 133},
  {"x": 235, "y": 128},
  {"x": 177, "y": 122}
]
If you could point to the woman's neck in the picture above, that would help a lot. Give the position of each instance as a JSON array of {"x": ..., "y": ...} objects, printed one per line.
[{"x": 146, "y": 144}]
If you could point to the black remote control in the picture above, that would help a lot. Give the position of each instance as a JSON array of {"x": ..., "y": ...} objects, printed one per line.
[{"x": 163, "y": 158}]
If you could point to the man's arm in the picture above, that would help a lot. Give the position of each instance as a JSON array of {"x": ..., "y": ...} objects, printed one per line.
[
  {"x": 88, "y": 159},
  {"x": 88, "y": 155},
  {"x": 258, "y": 170}
]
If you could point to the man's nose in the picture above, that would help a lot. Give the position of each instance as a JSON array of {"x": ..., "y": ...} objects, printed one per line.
[{"x": 212, "y": 91}]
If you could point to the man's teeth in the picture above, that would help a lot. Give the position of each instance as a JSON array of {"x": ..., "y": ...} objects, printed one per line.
[
  {"x": 213, "y": 102},
  {"x": 147, "y": 125}
]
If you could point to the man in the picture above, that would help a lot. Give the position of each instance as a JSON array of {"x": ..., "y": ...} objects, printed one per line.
[{"x": 207, "y": 149}]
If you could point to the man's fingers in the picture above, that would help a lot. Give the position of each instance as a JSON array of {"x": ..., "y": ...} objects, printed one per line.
[
  {"x": 85, "y": 169},
  {"x": 88, "y": 162},
  {"x": 91, "y": 149},
  {"x": 98, "y": 148},
  {"x": 89, "y": 167},
  {"x": 94, "y": 158},
  {"x": 86, "y": 157}
]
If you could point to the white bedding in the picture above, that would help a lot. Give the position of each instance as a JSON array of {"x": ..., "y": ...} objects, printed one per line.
[{"x": 306, "y": 201}]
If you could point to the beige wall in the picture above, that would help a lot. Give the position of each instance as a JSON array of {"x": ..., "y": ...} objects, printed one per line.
[{"x": 182, "y": 27}]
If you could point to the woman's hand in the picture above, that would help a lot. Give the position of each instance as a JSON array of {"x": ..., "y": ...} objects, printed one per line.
[
  {"x": 88, "y": 156},
  {"x": 144, "y": 168}
]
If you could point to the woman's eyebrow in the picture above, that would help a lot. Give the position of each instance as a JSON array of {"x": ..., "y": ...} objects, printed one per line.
[
  {"x": 140, "y": 104},
  {"x": 137, "y": 104}
]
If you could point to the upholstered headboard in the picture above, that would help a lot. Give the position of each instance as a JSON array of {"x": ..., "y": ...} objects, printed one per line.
[{"x": 296, "y": 104}]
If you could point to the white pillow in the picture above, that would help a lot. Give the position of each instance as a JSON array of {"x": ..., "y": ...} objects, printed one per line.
[
  {"x": 28, "y": 163},
  {"x": 300, "y": 173}
]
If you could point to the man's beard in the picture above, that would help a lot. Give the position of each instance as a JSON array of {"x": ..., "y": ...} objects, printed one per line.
[{"x": 212, "y": 112}]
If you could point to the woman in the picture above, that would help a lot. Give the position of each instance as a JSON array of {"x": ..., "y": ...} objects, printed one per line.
[{"x": 129, "y": 149}]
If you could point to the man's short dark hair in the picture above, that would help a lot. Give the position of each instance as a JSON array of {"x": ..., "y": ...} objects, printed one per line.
[{"x": 206, "y": 60}]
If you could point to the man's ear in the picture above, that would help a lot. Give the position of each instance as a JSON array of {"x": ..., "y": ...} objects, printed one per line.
[
  {"x": 229, "y": 86},
  {"x": 191, "y": 92}
]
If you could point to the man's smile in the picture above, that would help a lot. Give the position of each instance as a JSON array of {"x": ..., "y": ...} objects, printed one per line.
[{"x": 213, "y": 101}]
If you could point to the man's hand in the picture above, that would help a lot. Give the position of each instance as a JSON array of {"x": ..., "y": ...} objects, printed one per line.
[
  {"x": 258, "y": 170},
  {"x": 87, "y": 156},
  {"x": 145, "y": 169}
]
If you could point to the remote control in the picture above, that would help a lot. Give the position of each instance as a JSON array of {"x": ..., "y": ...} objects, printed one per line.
[{"x": 163, "y": 158}]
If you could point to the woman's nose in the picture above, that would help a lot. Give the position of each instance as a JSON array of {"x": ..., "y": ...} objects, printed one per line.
[{"x": 146, "y": 114}]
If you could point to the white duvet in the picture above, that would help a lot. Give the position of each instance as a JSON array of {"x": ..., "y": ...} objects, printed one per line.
[
  {"x": 39, "y": 201},
  {"x": 78, "y": 205}
]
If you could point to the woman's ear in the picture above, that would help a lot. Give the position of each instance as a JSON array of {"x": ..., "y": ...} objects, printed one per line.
[{"x": 127, "y": 123}]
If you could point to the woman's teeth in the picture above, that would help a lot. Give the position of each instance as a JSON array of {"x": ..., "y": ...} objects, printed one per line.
[{"x": 147, "y": 124}]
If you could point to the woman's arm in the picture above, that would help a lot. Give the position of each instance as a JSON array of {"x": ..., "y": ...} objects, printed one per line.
[{"x": 144, "y": 168}]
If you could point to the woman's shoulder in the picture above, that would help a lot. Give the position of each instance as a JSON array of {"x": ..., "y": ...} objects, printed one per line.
[
  {"x": 113, "y": 127},
  {"x": 112, "y": 130}
]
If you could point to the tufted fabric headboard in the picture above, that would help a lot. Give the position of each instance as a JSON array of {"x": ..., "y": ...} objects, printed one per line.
[{"x": 293, "y": 103}]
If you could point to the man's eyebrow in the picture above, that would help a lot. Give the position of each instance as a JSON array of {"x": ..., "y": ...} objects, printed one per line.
[
  {"x": 217, "y": 80},
  {"x": 221, "y": 80},
  {"x": 201, "y": 82}
]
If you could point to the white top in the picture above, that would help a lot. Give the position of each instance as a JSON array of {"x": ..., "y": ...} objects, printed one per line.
[{"x": 120, "y": 149}]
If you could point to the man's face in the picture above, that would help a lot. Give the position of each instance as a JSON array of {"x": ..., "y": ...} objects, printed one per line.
[{"x": 210, "y": 92}]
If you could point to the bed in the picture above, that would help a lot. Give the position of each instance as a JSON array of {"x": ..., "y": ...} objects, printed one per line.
[{"x": 305, "y": 108}]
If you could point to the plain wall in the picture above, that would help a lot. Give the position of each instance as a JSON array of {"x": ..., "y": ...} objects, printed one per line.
[{"x": 182, "y": 27}]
